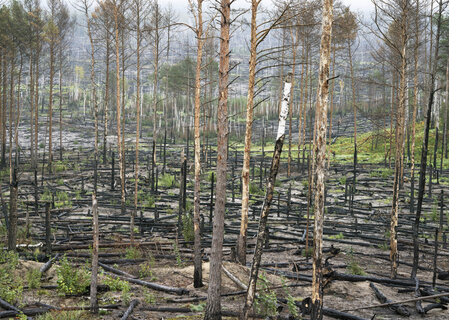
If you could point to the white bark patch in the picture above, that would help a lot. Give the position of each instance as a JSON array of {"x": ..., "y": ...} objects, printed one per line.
[{"x": 284, "y": 109}]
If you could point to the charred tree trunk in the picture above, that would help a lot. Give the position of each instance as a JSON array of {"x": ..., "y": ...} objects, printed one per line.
[
  {"x": 424, "y": 151},
  {"x": 12, "y": 230}
]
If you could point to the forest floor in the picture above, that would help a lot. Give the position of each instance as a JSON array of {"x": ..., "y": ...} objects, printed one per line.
[{"x": 356, "y": 236}]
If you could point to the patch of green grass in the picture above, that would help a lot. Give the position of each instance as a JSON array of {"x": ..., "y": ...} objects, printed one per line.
[
  {"x": 65, "y": 315},
  {"x": 168, "y": 181},
  {"x": 337, "y": 236}
]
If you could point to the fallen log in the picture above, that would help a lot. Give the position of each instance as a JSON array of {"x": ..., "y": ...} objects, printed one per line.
[
  {"x": 398, "y": 308},
  {"x": 67, "y": 247},
  {"x": 446, "y": 294},
  {"x": 49, "y": 263},
  {"x": 234, "y": 279},
  {"x": 356, "y": 278},
  {"x": 434, "y": 306},
  {"x": 130, "y": 309},
  {"x": 306, "y": 307},
  {"x": 158, "y": 287},
  {"x": 116, "y": 271},
  {"x": 7, "y": 306},
  {"x": 27, "y": 312}
]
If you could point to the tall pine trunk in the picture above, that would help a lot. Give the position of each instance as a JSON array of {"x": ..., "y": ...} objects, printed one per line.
[{"x": 213, "y": 308}]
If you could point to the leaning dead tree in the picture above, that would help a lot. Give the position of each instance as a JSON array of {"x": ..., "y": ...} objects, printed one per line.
[
  {"x": 262, "y": 231},
  {"x": 320, "y": 158}
]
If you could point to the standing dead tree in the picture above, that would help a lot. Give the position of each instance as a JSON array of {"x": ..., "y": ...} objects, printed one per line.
[
  {"x": 213, "y": 308},
  {"x": 257, "y": 37},
  {"x": 422, "y": 170},
  {"x": 320, "y": 159},
  {"x": 201, "y": 36},
  {"x": 396, "y": 38}
]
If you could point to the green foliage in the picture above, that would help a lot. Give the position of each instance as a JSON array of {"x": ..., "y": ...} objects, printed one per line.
[
  {"x": 291, "y": 305},
  {"x": 179, "y": 262},
  {"x": 62, "y": 199},
  {"x": 11, "y": 287},
  {"x": 72, "y": 280},
  {"x": 148, "y": 296},
  {"x": 60, "y": 166},
  {"x": 255, "y": 190},
  {"x": 353, "y": 267},
  {"x": 116, "y": 284},
  {"x": 187, "y": 227},
  {"x": 133, "y": 253},
  {"x": 266, "y": 301},
  {"x": 177, "y": 76},
  {"x": 337, "y": 236},
  {"x": 167, "y": 181},
  {"x": 209, "y": 176},
  {"x": 307, "y": 253},
  {"x": 147, "y": 199},
  {"x": 46, "y": 196},
  {"x": 383, "y": 173},
  {"x": 305, "y": 183},
  {"x": 145, "y": 270},
  {"x": 34, "y": 278},
  {"x": 64, "y": 315},
  {"x": 198, "y": 307}
]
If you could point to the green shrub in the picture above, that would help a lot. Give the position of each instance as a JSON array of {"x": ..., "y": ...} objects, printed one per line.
[
  {"x": 60, "y": 166},
  {"x": 148, "y": 296},
  {"x": 291, "y": 305},
  {"x": 72, "y": 280},
  {"x": 209, "y": 176},
  {"x": 255, "y": 190},
  {"x": 133, "y": 253},
  {"x": 187, "y": 227},
  {"x": 177, "y": 255},
  {"x": 353, "y": 267},
  {"x": 145, "y": 270},
  {"x": 33, "y": 278},
  {"x": 116, "y": 284},
  {"x": 266, "y": 302},
  {"x": 11, "y": 287}
]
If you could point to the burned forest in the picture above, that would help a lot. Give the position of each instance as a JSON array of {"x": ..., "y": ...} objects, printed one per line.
[{"x": 224, "y": 159}]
